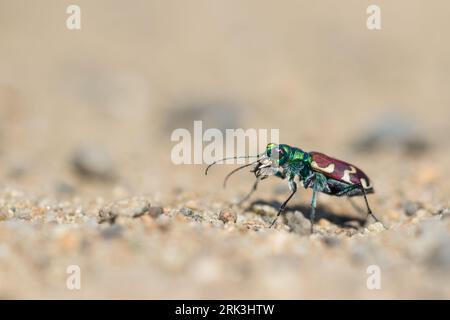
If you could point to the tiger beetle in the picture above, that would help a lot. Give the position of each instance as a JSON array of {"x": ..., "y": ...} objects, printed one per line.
[{"x": 312, "y": 169}]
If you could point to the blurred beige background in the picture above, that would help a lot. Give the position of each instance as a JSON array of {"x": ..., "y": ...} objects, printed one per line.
[{"x": 313, "y": 70}]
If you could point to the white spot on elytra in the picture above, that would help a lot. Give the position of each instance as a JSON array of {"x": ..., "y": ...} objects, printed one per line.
[
  {"x": 347, "y": 173},
  {"x": 328, "y": 169},
  {"x": 364, "y": 183}
]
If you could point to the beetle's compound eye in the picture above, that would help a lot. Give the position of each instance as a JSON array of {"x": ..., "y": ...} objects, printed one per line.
[{"x": 277, "y": 153}]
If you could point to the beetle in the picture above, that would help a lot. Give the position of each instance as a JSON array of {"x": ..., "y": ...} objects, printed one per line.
[{"x": 314, "y": 170}]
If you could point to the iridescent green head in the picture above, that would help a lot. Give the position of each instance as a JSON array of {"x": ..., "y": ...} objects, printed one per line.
[
  {"x": 279, "y": 153},
  {"x": 282, "y": 153}
]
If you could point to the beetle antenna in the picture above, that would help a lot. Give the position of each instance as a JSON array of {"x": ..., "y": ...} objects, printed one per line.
[
  {"x": 228, "y": 158},
  {"x": 236, "y": 170}
]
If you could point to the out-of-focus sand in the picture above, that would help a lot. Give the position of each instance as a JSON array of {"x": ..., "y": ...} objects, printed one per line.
[{"x": 137, "y": 70}]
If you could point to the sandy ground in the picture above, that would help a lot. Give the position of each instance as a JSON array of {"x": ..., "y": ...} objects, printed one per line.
[{"x": 86, "y": 176}]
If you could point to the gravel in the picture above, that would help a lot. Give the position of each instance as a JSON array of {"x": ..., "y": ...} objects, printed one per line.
[
  {"x": 193, "y": 251},
  {"x": 126, "y": 208}
]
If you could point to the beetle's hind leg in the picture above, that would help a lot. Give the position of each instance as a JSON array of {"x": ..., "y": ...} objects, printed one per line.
[
  {"x": 312, "y": 216},
  {"x": 369, "y": 211},
  {"x": 348, "y": 192}
]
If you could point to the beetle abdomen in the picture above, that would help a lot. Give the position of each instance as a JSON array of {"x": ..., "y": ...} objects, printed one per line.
[{"x": 339, "y": 170}]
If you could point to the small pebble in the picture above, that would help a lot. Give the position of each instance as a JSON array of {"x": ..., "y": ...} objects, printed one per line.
[
  {"x": 324, "y": 223},
  {"x": 5, "y": 215},
  {"x": 445, "y": 212},
  {"x": 127, "y": 208},
  {"x": 191, "y": 214},
  {"x": 187, "y": 212},
  {"x": 228, "y": 215},
  {"x": 376, "y": 227},
  {"x": 253, "y": 225}
]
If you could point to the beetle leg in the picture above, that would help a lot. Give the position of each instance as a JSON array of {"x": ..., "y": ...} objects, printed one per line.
[
  {"x": 293, "y": 187},
  {"x": 280, "y": 174},
  {"x": 255, "y": 186},
  {"x": 259, "y": 177},
  {"x": 313, "y": 206},
  {"x": 369, "y": 211}
]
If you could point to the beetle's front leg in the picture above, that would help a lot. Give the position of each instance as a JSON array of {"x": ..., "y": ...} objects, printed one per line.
[
  {"x": 293, "y": 187},
  {"x": 259, "y": 176},
  {"x": 255, "y": 186}
]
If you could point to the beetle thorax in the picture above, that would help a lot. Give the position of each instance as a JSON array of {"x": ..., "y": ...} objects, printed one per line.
[{"x": 299, "y": 155}]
